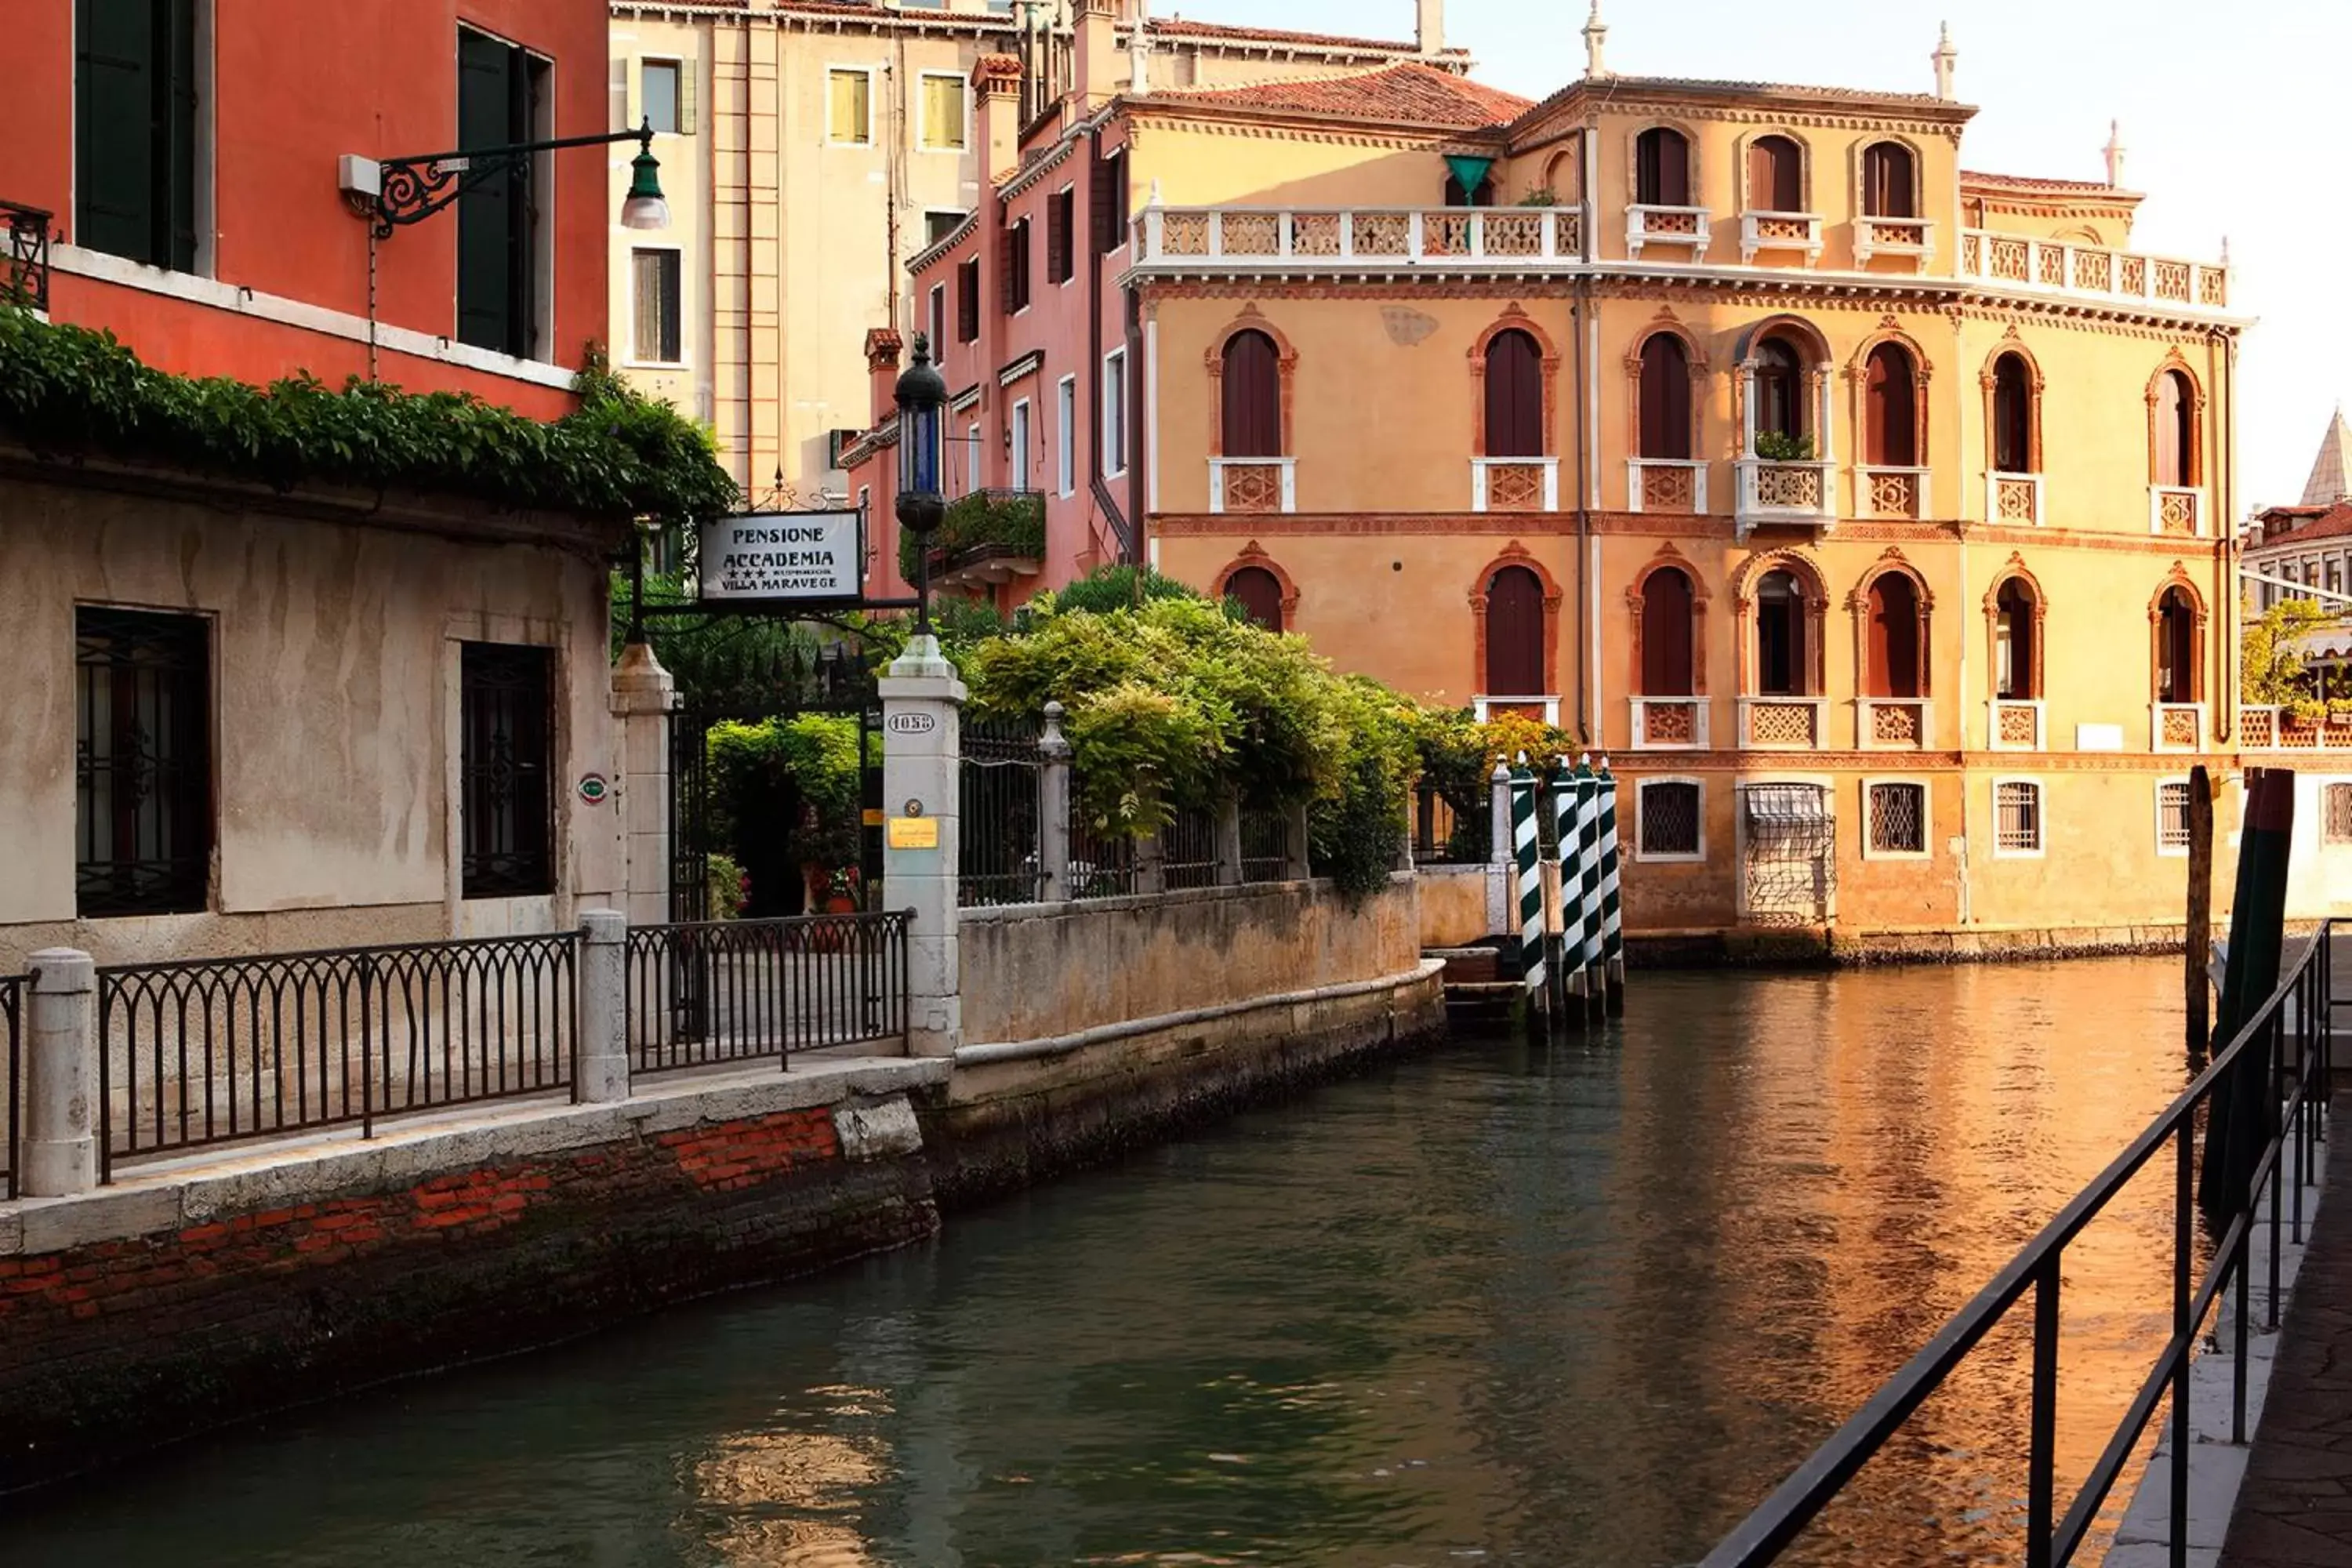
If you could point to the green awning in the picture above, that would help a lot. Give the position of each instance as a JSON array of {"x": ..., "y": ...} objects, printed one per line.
[{"x": 1470, "y": 171}]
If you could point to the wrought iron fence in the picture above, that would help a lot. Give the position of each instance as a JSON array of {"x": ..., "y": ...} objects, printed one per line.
[
  {"x": 1188, "y": 849},
  {"x": 1102, "y": 860},
  {"x": 13, "y": 988},
  {"x": 206, "y": 1051},
  {"x": 999, "y": 861},
  {"x": 723, "y": 991},
  {"x": 1442, "y": 836},
  {"x": 2281, "y": 1057},
  {"x": 1265, "y": 846}
]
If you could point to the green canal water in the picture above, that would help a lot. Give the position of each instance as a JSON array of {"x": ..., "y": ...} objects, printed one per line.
[{"x": 1575, "y": 1307}]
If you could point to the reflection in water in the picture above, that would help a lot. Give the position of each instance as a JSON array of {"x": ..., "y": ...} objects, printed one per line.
[{"x": 1572, "y": 1307}]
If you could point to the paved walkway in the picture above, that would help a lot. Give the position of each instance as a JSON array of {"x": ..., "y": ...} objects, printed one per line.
[{"x": 2295, "y": 1508}]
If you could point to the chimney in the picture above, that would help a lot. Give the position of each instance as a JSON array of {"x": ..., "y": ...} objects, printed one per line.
[
  {"x": 1096, "y": 67},
  {"x": 1596, "y": 39},
  {"x": 1945, "y": 58},
  {"x": 2114, "y": 151},
  {"x": 882, "y": 346},
  {"x": 1430, "y": 32},
  {"x": 996, "y": 82}
]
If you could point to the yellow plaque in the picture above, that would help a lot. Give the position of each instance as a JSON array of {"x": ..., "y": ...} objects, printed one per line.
[{"x": 914, "y": 833}]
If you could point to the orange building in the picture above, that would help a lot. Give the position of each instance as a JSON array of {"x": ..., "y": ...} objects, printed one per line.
[{"x": 1864, "y": 508}]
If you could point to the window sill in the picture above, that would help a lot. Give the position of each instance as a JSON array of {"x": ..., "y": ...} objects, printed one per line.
[
  {"x": 1655, "y": 857},
  {"x": 658, "y": 364}
]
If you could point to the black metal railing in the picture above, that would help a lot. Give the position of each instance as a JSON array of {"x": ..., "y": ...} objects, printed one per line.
[
  {"x": 204, "y": 1051},
  {"x": 726, "y": 991},
  {"x": 1445, "y": 836},
  {"x": 24, "y": 256},
  {"x": 13, "y": 989},
  {"x": 2284, "y": 1049},
  {"x": 1102, "y": 859},
  {"x": 1188, "y": 849},
  {"x": 998, "y": 859},
  {"x": 1265, "y": 846}
]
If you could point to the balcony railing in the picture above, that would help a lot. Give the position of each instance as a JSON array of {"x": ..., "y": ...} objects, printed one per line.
[
  {"x": 2014, "y": 498},
  {"x": 1892, "y": 492},
  {"x": 1253, "y": 484},
  {"x": 1435, "y": 238},
  {"x": 2019, "y": 262},
  {"x": 2015, "y": 724},
  {"x": 1762, "y": 231},
  {"x": 1791, "y": 493},
  {"x": 1782, "y": 724},
  {"x": 1514, "y": 484},
  {"x": 1892, "y": 723},
  {"x": 1911, "y": 236},
  {"x": 1666, "y": 484},
  {"x": 988, "y": 537},
  {"x": 24, "y": 257},
  {"x": 2273, "y": 730},
  {"x": 2172, "y": 509},
  {"x": 1669, "y": 724},
  {"x": 1651, "y": 225},
  {"x": 2176, "y": 726}
]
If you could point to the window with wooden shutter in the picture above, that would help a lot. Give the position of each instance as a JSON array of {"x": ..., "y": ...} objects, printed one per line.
[
  {"x": 2175, "y": 435},
  {"x": 654, "y": 283},
  {"x": 2014, "y": 675},
  {"x": 1060, "y": 210},
  {"x": 1252, "y": 417},
  {"x": 1666, "y": 652},
  {"x": 1666, "y": 398},
  {"x": 1515, "y": 640},
  {"x": 1662, "y": 168},
  {"x": 1515, "y": 413},
  {"x": 1110, "y": 202},
  {"x": 2335, "y": 813},
  {"x": 2012, "y": 415},
  {"x": 2176, "y": 670},
  {"x": 1782, "y": 666},
  {"x": 135, "y": 130},
  {"x": 1887, "y": 186},
  {"x": 1890, "y": 433},
  {"x": 944, "y": 112},
  {"x": 498, "y": 88},
  {"x": 1014, "y": 268},
  {"x": 1894, "y": 655},
  {"x": 968, "y": 300},
  {"x": 1259, "y": 594},
  {"x": 1776, "y": 175},
  {"x": 1778, "y": 387},
  {"x": 658, "y": 95},
  {"x": 849, "y": 106}
]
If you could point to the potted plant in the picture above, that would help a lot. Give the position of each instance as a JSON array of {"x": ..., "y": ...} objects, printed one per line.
[
  {"x": 1775, "y": 447},
  {"x": 841, "y": 890}
]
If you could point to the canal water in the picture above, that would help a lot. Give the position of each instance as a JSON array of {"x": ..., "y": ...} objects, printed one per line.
[{"x": 1576, "y": 1307}]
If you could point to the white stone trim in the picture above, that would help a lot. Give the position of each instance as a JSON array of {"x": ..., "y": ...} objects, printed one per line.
[
  {"x": 2040, "y": 817},
  {"x": 1641, "y": 787},
  {"x": 2168, "y": 851},
  {"x": 1926, "y": 850}
]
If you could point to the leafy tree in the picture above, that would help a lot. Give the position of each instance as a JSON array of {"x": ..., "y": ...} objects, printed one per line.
[{"x": 2271, "y": 667}]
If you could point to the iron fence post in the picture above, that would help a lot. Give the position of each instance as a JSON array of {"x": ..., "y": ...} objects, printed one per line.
[
  {"x": 66, "y": 1125},
  {"x": 2184, "y": 1197},
  {"x": 2043, "y": 1438}
]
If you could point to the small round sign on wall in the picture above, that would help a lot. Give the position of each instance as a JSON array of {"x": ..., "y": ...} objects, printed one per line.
[{"x": 593, "y": 789}]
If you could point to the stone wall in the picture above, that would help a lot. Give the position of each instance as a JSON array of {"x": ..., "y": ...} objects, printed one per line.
[{"x": 1453, "y": 901}]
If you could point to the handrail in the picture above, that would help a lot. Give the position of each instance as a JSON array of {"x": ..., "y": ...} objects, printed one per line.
[{"x": 1793, "y": 1505}]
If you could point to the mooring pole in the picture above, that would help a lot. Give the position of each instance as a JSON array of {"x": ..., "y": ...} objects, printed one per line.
[
  {"x": 2199, "y": 937},
  {"x": 1612, "y": 919},
  {"x": 1571, "y": 884},
  {"x": 1588, "y": 865},
  {"x": 1530, "y": 871}
]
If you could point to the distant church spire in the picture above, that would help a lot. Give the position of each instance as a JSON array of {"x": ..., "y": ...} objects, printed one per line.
[
  {"x": 1596, "y": 40},
  {"x": 1945, "y": 58},
  {"x": 2331, "y": 474}
]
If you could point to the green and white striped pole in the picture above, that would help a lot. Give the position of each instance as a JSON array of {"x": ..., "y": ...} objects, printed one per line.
[
  {"x": 1530, "y": 869},
  {"x": 1571, "y": 973},
  {"x": 1588, "y": 861},
  {"x": 1613, "y": 920}
]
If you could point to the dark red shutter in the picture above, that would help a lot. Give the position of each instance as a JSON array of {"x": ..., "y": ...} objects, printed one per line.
[
  {"x": 1775, "y": 175},
  {"x": 1780, "y": 403},
  {"x": 1514, "y": 397},
  {"x": 1666, "y": 398},
  {"x": 1662, "y": 168},
  {"x": 2174, "y": 440},
  {"x": 1886, "y": 181},
  {"x": 2012, "y": 415},
  {"x": 1259, "y": 593},
  {"x": 1515, "y": 634},
  {"x": 1894, "y": 637},
  {"x": 1253, "y": 393},
  {"x": 2177, "y": 681},
  {"x": 1666, "y": 633},
  {"x": 1890, "y": 434}
]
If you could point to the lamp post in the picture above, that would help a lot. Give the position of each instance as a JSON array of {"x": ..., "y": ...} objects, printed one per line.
[
  {"x": 398, "y": 190},
  {"x": 922, "y": 394}
]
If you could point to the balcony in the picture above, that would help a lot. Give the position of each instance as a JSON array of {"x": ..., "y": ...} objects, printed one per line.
[
  {"x": 25, "y": 257},
  {"x": 2014, "y": 724},
  {"x": 2175, "y": 510},
  {"x": 1253, "y": 484},
  {"x": 1914, "y": 238},
  {"x": 988, "y": 538},
  {"x": 1763, "y": 231},
  {"x": 1675, "y": 485},
  {"x": 1782, "y": 724},
  {"x": 1647, "y": 225},
  {"x": 1451, "y": 239},
  {"x": 2176, "y": 727},
  {"x": 2276, "y": 729},
  {"x": 1771, "y": 492},
  {"x": 2049, "y": 266},
  {"x": 1669, "y": 724},
  {"x": 1892, "y": 723},
  {"x": 1892, "y": 492},
  {"x": 1514, "y": 484},
  {"x": 2014, "y": 498}
]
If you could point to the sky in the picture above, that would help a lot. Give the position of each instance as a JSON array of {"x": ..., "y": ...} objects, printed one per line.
[{"x": 2201, "y": 88}]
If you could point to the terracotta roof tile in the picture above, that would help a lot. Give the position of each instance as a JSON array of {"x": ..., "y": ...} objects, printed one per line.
[
  {"x": 1409, "y": 91},
  {"x": 2333, "y": 523},
  {"x": 1178, "y": 27},
  {"x": 2034, "y": 183},
  {"x": 1768, "y": 88}
]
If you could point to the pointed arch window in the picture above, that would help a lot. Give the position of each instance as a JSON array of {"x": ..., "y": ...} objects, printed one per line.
[
  {"x": 1259, "y": 594},
  {"x": 1778, "y": 388},
  {"x": 2175, "y": 431},
  {"x": 1893, "y": 657},
  {"x": 2012, "y": 415},
  {"x": 2017, "y": 669},
  {"x": 1667, "y": 654},
  {"x": 1666, "y": 398},
  {"x": 1515, "y": 400},
  {"x": 1890, "y": 424},
  {"x": 1252, "y": 382},
  {"x": 1889, "y": 188},
  {"x": 1776, "y": 175},
  {"x": 1783, "y": 662},
  {"x": 1515, "y": 634},
  {"x": 2176, "y": 659},
  {"x": 1662, "y": 168}
]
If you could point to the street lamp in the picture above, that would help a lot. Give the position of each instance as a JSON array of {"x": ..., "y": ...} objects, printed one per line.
[
  {"x": 922, "y": 394},
  {"x": 398, "y": 190}
]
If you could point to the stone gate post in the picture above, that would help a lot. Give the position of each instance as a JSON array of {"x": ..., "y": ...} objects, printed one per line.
[
  {"x": 1501, "y": 903},
  {"x": 1229, "y": 842},
  {"x": 602, "y": 1076},
  {"x": 642, "y": 697},
  {"x": 61, "y": 1121},
  {"x": 922, "y": 791},
  {"x": 1054, "y": 806}
]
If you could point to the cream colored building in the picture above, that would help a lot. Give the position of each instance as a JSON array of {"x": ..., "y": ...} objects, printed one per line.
[{"x": 809, "y": 150}]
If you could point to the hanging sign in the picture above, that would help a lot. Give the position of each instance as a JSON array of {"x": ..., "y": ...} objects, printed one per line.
[{"x": 788, "y": 555}]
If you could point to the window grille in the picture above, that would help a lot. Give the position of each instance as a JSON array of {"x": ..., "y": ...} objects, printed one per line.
[
  {"x": 507, "y": 705},
  {"x": 143, "y": 755},
  {"x": 2336, "y": 814},
  {"x": 2172, "y": 815},
  {"x": 1898, "y": 818},
  {"x": 2016, "y": 811},
  {"x": 1669, "y": 818}
]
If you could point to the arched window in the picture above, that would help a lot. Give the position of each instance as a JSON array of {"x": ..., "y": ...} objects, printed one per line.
[
  {"x": 1778, "y": 389},
  {"x": 1776, "y": 175},
  {"x": 2012, "y": 415},
  {"x": 1890, "y": 438},
  {"x": 1515, "y": 634},
  {"x": 1259, "y": 594},
  {"x": 2176, "y": 432},
  {"x": 1666, "y": 397},
  {"x": 1455, "y": 196},
  {"x": 1662, "y": 168},
  {"x": 1888, "y": 188},
  {"x": 1666, "y": 652},
  {"x": 1514, "y": 414},
  {"x": 1784, "y": 668},
  {"x": 1564, "y": 176},
  {"x": 2176, "y": 647},
  {"x": 1894, "y": 653},
  {"x": 2015, "y": 675},
  {"x": 1253, "y": 397}
]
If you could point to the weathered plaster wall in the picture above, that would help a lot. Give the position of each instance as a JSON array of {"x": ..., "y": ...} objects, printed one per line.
[{"x": 1452, "y": 905}]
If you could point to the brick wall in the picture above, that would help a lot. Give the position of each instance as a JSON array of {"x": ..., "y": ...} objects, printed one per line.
[{"x": 124, "y": 1344}]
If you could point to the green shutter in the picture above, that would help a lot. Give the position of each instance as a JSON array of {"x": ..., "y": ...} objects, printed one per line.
[
  {"x": 176, "y": 141},
  {"x": 486, "y": 213},
  {"x": 114, "y": 98}
]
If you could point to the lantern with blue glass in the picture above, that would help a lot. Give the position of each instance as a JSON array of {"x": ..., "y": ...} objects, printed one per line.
[{"x": 922, "y": 394}]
